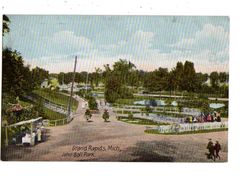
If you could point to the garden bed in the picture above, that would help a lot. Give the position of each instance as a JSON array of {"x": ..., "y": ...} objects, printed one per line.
[{"x": 140, "y": 121}]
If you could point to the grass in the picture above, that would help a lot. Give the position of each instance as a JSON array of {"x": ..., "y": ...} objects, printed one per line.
[
  {"x": 154, "y": 131},
  {"x": 56, "y": 98},
  {"x": 176, "y": 115},
  {"x": 189, "y": 102},
  {"x": 25, "y": 103},
  {"x": 48, "y": 114},
  {"x": 126, "y": 101},
  {"x": 52, "y": 115},
  {"x": 192, "y": 94},
  {"x": 139, "y": 121},
  {"x": 126, "y": 112}
]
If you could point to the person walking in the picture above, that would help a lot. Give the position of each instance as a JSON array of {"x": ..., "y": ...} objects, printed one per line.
[
  {"x": 217, "y": 148},
  {"x": 210, "y": 148},
  {"x": 39, "y": 135}
]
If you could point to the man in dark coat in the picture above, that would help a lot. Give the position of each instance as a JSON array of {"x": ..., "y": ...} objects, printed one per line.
[
  {"x": 217, "y": 149},
  {"x": 210, "y": 148}
]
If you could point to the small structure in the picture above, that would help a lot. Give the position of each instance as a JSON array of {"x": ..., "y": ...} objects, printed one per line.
[
  {"x": 63, "y": 87},
  {"x": 33, "y": 124},
  {"x": 45, "y": 84}
]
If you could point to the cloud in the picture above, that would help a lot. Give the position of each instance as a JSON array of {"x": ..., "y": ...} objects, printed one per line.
[
  {"x": 208, "y": 49},
  {"x": 68, "y": 42},
  {"x": 211, "y": 44}
]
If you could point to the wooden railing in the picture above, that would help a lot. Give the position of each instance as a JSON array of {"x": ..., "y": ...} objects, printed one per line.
[{"x": 58, "y": 122}]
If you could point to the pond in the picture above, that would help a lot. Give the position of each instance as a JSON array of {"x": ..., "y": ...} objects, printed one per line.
[{"x": 216, "y": 105}]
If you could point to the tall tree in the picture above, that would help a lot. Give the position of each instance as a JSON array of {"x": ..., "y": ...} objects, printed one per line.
[
  {"x": 223, "y": 77},
  {"x": 117, "y": 79},
  {"x": 6, "y": 22},
  {"x": 214, "y": 79},
  {"x": 178, "y": 73},
  {"x": 16, "y": 76},
  {"x": 38, "y": 76},
  {"x": 157, "y": 80},
  {"x": 189, "y": 76}
]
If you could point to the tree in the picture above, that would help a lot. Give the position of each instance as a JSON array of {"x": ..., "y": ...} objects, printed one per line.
[
  {"x": 39, "y": 107},
  {"x": 112, "y": 89},
  {"x": 61, "y": 76},
  {"x": 16, "y": 77},
  {"x": 88, "y": 114},
  {"x": 189, "y": 77},
  {"x": 122, "y": 70},
  {"x": 38, "y": 76},
  {"x": 214, "y": 78},
  {"x": 177, "y": 75},
  {"x": 117, "y": 79},
  {"x": 105, "y": 115},
  {"x": 157, "y": 80},
  {"x": 223, "y": 77},
  {"x": 6, "y": 22},
  {"x": 92, "y": 103},
  {"x": 97, "y": 76},
  {"x": 200, "y": 80}
]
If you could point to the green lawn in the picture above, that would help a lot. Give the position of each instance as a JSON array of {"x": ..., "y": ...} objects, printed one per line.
[
  {"x": 52, "y": 115},
  {"x": 48, "y": 114},
  {"x": 189, "y": 102},
  {"x": 56, "y": 98},
  {"x": 139, "y": 121}
]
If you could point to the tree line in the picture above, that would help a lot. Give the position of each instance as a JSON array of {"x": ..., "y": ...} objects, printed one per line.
[
  {"x": 18, "y": 80},
  {"x": 123, "y": 76},
  {"x": 119, "y": 80}
]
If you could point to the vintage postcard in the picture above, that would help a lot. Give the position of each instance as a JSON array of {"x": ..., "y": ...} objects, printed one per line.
[{"x": 115, "y": 88}]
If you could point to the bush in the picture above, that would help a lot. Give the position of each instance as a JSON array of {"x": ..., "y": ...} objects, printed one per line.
[
  {"x": 88, "y": 114},
  {"x": 115, "y": 90},
  {"x": 148, "y": 109},
  {"x": 130, "y": 116},
  {"x": 105, "y": 115},
  {"x": 92, "y": 103}
]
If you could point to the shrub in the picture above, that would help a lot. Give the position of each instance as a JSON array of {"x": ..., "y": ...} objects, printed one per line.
[
  {"x": 88, "y": 114},
  {"x": 92, "y": 103},
  {"x": 105, "y": 115},
  {"x": 130, "y": 116}
]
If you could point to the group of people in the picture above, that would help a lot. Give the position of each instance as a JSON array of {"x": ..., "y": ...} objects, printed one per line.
[
  {"x": 213, "y": 150},
  {"x": 27, "y": 138},
  {"x": 209, "y": 117}
]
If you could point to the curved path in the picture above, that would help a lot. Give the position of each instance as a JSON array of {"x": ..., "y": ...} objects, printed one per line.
[{"x": 114, "y": 141}]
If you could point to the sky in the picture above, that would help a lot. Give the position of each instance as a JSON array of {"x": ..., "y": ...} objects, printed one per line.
[{"x": 150, "y": 42}]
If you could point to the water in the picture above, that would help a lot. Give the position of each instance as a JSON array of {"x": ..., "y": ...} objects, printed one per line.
[{"x": 216, "y": 105}]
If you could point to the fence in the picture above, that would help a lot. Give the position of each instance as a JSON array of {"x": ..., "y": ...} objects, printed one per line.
[
  {"x": 58, "y": 122},
  {"x": 177, "y": 128},
  {"x": 50, "y": 105}
]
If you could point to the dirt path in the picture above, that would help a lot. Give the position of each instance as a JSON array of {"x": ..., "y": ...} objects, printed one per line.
[{"x": 115, "y": 141}]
